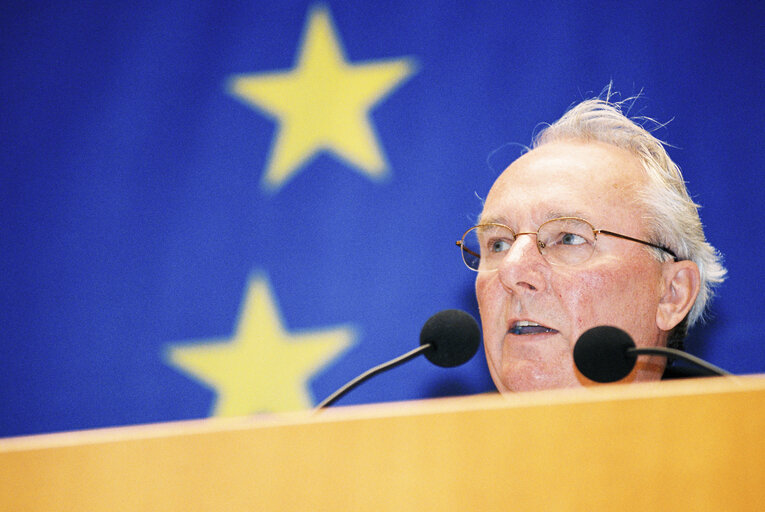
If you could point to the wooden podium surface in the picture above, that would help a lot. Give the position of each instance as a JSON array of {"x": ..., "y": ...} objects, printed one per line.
[{"x": 688, "y": 445}]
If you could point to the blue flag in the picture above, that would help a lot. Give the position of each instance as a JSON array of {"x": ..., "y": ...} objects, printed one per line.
[{"x": 220, "y": 211}]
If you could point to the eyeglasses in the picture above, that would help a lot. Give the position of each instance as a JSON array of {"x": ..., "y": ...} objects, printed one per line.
[{"x": 561, "y": 241}]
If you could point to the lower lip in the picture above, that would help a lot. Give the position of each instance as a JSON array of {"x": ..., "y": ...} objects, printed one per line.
[{"x": 532, "y": 335}]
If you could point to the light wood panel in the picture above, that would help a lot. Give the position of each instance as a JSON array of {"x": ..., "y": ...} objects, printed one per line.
[{"x": 690, "y": 445}]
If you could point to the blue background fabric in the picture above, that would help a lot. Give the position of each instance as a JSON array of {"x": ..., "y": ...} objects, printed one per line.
[{"x": 141, "y": 238}]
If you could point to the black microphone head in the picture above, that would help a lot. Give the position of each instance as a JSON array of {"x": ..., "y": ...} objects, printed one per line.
[
  {"x": 454, "y": 338},
  {"x": 601, "y": 354}
]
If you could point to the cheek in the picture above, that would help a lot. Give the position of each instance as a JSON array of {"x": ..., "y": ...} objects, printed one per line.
[
  {"x": 584, "y": 298},
  {"x": 608, "y": 296},
  {"x": 490, "y": 306},
  {"x": 486, "y": 296}
]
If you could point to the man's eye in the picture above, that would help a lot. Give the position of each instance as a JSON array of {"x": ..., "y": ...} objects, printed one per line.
[
  {"x": 499, "y": 245},
  {"x": 571, "y": 239}
]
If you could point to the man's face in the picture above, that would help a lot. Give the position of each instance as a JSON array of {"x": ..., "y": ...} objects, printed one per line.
[{"x": 620, "y": 284}]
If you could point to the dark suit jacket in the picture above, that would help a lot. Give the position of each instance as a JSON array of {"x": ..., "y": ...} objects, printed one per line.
[{"x": 682, "y": 371}]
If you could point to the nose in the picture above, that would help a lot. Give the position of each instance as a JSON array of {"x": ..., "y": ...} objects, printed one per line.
[{"x": 522, "y": 268}]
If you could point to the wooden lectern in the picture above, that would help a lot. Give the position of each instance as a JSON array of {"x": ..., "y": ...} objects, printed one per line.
[{"x": 691, "y": 445}]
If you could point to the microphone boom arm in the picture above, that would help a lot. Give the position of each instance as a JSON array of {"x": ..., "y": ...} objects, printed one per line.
[
  {"x": 679, "y": 354},
  {"x": 370, "y": 373}
]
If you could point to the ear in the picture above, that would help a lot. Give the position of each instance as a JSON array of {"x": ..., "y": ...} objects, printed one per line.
[{"x": 681, "y": 286}]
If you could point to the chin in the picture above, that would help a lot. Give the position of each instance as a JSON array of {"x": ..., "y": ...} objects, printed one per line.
[
  {"x": 528, "y": 377},
  {"x": 522, "y": 386}
]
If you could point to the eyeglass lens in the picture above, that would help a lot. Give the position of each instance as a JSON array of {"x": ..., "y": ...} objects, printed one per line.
[{"x": 560, "y": 241}]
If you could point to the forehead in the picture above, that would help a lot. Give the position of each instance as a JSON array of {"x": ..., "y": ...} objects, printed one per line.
[{"x": 593, "y": 180}]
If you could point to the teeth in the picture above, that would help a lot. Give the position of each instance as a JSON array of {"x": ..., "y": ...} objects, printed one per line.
[
  {"x": 525, "y": 323},
  {"x": 527, "y": 327}
]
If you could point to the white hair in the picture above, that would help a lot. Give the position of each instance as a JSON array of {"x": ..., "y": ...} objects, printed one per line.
[{"x": 672, "y": 217}]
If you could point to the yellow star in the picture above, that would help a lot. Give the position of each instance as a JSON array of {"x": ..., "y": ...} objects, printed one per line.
[
  {"x": 322, "y": 104},
  {"x": 262, "y": 367}
]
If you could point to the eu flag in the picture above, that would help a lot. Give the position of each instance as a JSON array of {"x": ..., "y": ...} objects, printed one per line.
[{"x": 214, "y": 209}]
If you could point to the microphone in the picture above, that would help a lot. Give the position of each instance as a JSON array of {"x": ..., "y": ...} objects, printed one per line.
[
  {"x": 451, "y": 337},
  {"x": 448, "y": 339},
  {"x": 608, "y": 354}
]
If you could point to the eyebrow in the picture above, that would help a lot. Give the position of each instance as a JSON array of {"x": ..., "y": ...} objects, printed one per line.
[{"x": 550, "y": 214}]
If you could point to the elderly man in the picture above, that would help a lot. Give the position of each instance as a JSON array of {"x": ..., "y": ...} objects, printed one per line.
[{"x": 593, "y": 226}]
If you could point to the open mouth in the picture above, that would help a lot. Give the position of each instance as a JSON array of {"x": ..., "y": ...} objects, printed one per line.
[{"x": 523, "y": 327}]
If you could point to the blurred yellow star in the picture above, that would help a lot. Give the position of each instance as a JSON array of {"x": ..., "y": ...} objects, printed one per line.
[
  {"x": 262, "y": 368},
  {"x": 323, "y": 103}
]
